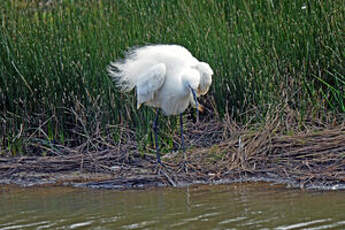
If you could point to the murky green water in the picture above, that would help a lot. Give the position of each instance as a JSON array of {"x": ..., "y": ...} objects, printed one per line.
[{"x": 240, "y": 206}]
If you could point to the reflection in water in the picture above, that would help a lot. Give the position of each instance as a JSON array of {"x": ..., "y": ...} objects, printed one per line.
[{"x": 239, "y": 206}]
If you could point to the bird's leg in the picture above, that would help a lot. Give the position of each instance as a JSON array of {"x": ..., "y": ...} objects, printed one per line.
[
  {"x": 182, "y": 138},
  {"x": 182, "y": 144},
  {"x": 196, "y": 104},
  {"x": 159, "y": 162},
  {"x": 155, "y": 130}
]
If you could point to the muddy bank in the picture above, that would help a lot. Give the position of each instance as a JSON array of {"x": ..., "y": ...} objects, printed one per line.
[
  {"x": 217, "y": 153},
  {"x": 140, "y": 177}
]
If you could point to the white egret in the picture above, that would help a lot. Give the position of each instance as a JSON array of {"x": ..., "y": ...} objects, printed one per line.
[{"x": 166, "y": 77}]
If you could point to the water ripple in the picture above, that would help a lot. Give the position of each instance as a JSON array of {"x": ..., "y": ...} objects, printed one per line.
[
  {"x": 328, "y": 226},
  {"x": 138, "y": 225},
  {"x": 303, "y": 224},
  {"x": 237, "y": 219},
  {"x": 81, "y": 224},
  {"x": 21, "y": 226}
]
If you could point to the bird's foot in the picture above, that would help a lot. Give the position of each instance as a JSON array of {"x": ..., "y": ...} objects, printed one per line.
[
  {"x": 162, "y": 170},
  {"x": 158, "y": 167},
  {"x": 185, "y": 165}
]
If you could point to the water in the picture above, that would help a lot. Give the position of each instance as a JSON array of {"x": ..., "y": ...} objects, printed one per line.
[{"x": 237, "y": 206}]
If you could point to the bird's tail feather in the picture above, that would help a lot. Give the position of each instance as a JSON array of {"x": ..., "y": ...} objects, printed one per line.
[{"x": 116, "y": 70}]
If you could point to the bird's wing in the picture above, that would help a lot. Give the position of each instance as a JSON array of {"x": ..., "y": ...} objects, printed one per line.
[{"x": 149, "y": 82}]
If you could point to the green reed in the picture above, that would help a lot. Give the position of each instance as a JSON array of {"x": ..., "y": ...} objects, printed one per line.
[{"x": 53, "y": 58}]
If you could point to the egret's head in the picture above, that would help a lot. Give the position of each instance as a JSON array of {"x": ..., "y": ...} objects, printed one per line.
[
  {"x": 204, "y": 68},
  {"x": 205, "y": 77}
]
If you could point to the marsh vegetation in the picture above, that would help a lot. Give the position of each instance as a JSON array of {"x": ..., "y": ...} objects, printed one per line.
[{"x": 279, "y": 70}]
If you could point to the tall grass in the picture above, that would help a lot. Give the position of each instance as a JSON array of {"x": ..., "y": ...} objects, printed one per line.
[{"x": 53, "y": 56}]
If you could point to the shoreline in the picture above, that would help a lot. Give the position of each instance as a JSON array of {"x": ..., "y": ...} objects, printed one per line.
[
  {"x": 140, "y": 182},
  {"x": 313, "y": 160}
]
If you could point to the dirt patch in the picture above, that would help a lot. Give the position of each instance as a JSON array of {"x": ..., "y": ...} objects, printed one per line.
[{"x": 311, "y": 159}]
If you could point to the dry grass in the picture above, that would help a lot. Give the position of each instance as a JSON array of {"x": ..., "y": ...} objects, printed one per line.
[{"x": 304, "y": 156}]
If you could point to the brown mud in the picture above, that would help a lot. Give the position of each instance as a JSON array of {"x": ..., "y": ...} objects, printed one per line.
[{"x": 217, "y": 152}]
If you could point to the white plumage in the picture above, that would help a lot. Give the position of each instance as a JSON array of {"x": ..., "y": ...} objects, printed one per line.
[
  {"x": 166, "y": 77},
  {"x": 163, "y": 76}
]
